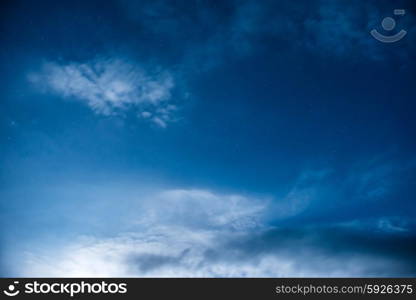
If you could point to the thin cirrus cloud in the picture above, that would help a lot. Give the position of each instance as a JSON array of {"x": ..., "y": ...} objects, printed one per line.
[{"x": 112, "y": 87}]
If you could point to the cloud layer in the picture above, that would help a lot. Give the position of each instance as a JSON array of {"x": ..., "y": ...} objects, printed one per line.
[{"x": 199, "y": 233}]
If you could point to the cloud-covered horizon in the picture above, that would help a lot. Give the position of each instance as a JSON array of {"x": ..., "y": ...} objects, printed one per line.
[
  {"x": 202, "y": 233},
  {"x": 196, "y": 233}
]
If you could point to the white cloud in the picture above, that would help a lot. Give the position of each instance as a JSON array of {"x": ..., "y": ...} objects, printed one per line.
[
  {"x": 111, "y": 87},
  {"x": 174, "y": 229},
  {"x": 170, "y": 252}
]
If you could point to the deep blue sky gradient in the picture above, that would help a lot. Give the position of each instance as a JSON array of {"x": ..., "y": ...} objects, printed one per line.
[{"x": 265, "y": 93}]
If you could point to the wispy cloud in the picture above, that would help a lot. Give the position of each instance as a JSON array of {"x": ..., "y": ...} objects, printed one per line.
[
  {"x": 342, "y": 28},
  {"x": 391, "y": 224},
  {"x": 378, "y": 177},
  {"x": 208, "y": 37},
  {"x": 204, "y": 209},
  {"x": 112, "y": 87}
]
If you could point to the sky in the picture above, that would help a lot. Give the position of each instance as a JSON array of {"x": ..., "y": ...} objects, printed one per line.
[{"x": 207, "y": 139}]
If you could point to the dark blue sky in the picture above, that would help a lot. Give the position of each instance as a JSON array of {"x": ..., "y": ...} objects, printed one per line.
[{"x": 260, "y": 127}]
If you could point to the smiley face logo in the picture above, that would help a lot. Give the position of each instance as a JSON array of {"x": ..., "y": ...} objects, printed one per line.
[
  {"x": 389, "y": 24},
  {"x": 11, "y": 289}
]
